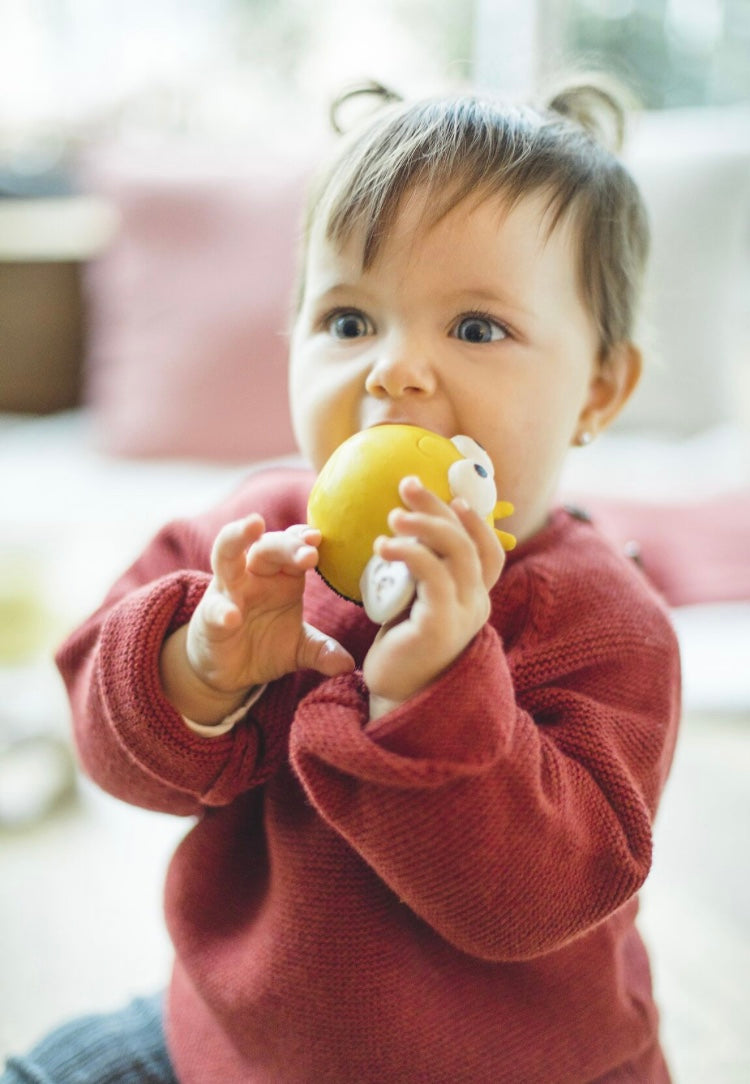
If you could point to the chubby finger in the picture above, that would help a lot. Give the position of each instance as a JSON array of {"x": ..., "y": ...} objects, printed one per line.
[
  {"x": 465, "y": 544},
  {"x": 452, "y": 531},
  {"x": 418, "y": 498},
  {"x": 426, "y": 517},
  {"x": 294, "y": 550},
  {"x": 485, "y": 539},
  {"x": 229, "y": 550},
  {"x": 426, "y": 568},
  {"x": 316, "y": 651},
  {"x": 443, "y": 538}
]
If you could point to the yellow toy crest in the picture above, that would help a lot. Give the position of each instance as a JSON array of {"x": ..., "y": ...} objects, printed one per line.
[{"x": 358, "y": 486}]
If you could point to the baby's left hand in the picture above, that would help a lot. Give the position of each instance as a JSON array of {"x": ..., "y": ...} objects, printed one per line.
[{"x": 455, "y": 559}]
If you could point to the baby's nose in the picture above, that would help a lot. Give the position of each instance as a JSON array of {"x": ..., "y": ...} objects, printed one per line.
[{"x": 402, "y": 369}]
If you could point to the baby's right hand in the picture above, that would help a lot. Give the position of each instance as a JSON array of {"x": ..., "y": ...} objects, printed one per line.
[{"x": 248, "y": 627}]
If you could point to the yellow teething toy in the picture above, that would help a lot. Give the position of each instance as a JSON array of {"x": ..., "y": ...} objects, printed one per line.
[{"x": 357, "y": 488}]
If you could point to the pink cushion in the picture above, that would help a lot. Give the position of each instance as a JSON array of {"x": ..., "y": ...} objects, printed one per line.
[
  {"x": 693, "y": 553},
  {"x": 189, "y": 309}
]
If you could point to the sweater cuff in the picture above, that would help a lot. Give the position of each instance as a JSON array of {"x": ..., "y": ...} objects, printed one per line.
[{"x": 458, "y": 727}]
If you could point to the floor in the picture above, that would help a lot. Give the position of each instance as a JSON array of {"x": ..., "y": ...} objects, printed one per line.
[
  {"x": 696, "y": 905},
  {"x": 81, "y": 927}
]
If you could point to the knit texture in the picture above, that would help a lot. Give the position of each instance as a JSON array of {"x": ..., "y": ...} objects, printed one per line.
[{"x": 447, "y": 894}]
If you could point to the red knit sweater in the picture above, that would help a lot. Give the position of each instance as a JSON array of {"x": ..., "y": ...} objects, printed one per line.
[{"x": 445, "y": 895}]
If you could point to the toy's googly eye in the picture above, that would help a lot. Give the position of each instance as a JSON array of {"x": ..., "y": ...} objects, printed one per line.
[
  {"x": 473, "y": 482},
  {"x": 469, "y": 449}
]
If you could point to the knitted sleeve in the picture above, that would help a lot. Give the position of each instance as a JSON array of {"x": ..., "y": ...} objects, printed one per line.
[
  {"x": 130, "y": 739},
  {"x": 510, "y": 803}
]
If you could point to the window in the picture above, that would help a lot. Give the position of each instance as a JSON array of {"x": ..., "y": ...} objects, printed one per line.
[{"x": 670, "y": 52}]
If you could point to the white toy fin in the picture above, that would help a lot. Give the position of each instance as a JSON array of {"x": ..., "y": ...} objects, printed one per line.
[{"x": 387, "y": 589}]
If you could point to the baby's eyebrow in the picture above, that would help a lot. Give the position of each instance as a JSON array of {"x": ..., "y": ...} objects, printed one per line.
[
  {"x": 469, "y": 296},
  {"x": 341, "y": 291},
  {"x": 337, "y": 288}
]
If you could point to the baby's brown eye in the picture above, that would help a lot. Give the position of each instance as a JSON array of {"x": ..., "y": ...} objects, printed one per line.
[{"x": 349, "y": 325}]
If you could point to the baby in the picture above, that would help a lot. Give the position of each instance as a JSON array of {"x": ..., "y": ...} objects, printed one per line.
[{"x": 418, "y": 848}]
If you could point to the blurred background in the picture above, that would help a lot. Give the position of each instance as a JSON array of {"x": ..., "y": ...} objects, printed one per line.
[{"x": 153, "y": 163}]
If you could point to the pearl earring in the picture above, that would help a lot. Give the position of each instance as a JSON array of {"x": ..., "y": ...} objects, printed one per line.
[{"x": 584, "y": 437}]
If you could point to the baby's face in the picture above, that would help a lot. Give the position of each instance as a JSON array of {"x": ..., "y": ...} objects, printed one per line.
[{"x": 474, "y": 325}]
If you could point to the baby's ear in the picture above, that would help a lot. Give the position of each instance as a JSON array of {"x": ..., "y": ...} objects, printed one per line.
[{"x": 612, "y": 384}]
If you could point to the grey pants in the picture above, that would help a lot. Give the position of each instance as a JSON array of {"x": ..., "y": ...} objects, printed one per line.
[{"x": 125, "y": 1047}]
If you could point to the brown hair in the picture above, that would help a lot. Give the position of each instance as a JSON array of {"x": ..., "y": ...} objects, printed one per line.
[{"x": 471, "y": 145}]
